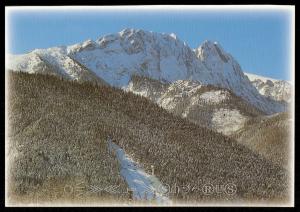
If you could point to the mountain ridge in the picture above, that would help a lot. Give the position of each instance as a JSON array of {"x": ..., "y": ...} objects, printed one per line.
[
  {"x": 116, "y": 57},
  {"x": 279, "y": 90}
]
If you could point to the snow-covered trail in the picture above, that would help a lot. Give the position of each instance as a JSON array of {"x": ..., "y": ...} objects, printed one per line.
[{"x": 143, "y": 185}]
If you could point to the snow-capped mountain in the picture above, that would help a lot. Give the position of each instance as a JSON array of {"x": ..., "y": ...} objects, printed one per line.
[
  {"x": 116, "y": 57},
  {"x": 229, "y": 72},
  {"x": 279, "y": 90}
]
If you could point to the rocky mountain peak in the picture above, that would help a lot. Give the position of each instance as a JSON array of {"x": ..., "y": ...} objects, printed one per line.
[
  {"x": 160, "y": 56},
  {"x": 212, "y": 51}
]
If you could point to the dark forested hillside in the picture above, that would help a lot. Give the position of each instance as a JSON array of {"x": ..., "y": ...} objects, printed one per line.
[
  {"x": 270, "y": 136},
  {"x": 58, "y": 132},
  {"x": 56, "y": 151}
]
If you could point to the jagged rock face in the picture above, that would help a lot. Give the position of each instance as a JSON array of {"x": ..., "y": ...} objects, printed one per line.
[
  {"x": 116, "y": 57},
  {"x": 278, "y": 90},
  {"x": 230, "y": 75},
  {"x": 159, "y": 56},
  {"x": 208, "y": 106}
]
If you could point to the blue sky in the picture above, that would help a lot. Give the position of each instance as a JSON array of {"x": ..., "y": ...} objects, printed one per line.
[{"x": 259, "y": 40}]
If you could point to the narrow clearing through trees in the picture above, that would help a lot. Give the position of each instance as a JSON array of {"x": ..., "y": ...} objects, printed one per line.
[{"x": 145, "y": 187}]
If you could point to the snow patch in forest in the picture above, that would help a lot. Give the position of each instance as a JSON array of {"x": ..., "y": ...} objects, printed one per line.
[
  {"x": 167, "y": 103},
  {"x": 214, "y": 96},
  {"x": 143, "y": 185},
  {"x": 228, "y": 121}
]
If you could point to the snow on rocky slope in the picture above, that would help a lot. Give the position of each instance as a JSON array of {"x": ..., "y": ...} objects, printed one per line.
[
  {"x": 31, "y": 63},
  {"x": 116, "y": 57},
  {"x": 160, "y": 56},
  {"x": 213, "y": 107},
  {"x": 52, "y": 61},
  {"x": 230, "y": 75},
  {"x": 279, "y": 90}
]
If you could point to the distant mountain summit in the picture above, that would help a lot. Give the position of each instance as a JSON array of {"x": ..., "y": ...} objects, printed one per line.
[
  {"x": 116, "y": 57},
  {"x": 279, "y": 90}
]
